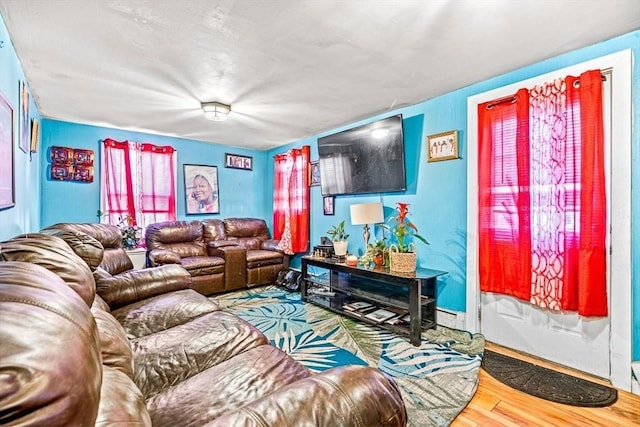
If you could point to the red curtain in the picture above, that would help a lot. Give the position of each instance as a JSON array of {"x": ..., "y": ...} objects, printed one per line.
[
  {"x": 138, "y": 181},
  {"x": 291, "y": 200},
  {"x": 542, "y": 199},
  {"x": 585, "y": 287},
  {"x": 118, "y": 198},
  {"x": 504, "y": 205},
  {"x": 157, "y": 183}
]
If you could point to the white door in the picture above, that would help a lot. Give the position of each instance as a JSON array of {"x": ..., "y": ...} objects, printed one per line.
[
  {"x": 594, "y": 345},
  {"x": 562, "y": 337}
]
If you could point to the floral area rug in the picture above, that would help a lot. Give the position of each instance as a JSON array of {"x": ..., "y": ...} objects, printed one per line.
[{"x": 437, "y": 379}]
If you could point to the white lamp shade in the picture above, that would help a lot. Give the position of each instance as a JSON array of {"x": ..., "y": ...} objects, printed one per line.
[{"x": 366, "y": 213}]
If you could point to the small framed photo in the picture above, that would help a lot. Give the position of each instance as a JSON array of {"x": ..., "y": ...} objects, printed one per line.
[
  {"x": 201, "y": 189},
  {"x": 7, "y": 178},
  {"x": 35, "y": 135},
  {"x": 327, "y": 205},
  {"x": 236, "y": 161},
  {"x": 25, "y": 123},
  {"x": 314, "y": 174},
  {"x": 442, "y": 146}
]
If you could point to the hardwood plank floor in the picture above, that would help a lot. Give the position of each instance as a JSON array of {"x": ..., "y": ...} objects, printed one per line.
[{"x": 496, "y": 404}]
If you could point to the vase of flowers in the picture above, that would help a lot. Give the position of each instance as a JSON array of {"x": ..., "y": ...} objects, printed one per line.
[
  {"x": 130, "y": 232},
  {"x": 402, "y": 253}
]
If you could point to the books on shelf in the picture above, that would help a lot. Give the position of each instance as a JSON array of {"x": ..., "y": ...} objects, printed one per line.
[
  {"x": 358, "y": 306},
  {"x": 380, "y": 315}
]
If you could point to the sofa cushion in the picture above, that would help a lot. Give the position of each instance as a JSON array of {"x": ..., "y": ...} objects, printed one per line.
[
  {"x": 114, "y": 344},
  {"x": 246, "y": 227},
  {"x": 225, "y": 387},
  {"x": 213, "y": 229},
  {"x": 121, "y": 402},
  {"x": 114, "y": 260},
  {"x": 163, "y": 312},
  {"x": 48, "y": 342},
  {"x": 203, "y": 265},
  {"x": 344, "y": 396},
  {"x": 259, "y": 258},
  {"x": 84, "y": 245},
  {"x": 98, "y": 302},
  {"x": 55, "y": 255},
  {"x": 182, "y": 237},
  {"x": 166, "y": 358}
]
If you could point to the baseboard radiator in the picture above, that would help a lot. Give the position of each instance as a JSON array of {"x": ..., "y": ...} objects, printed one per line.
[{"x": 450, "y": 318}]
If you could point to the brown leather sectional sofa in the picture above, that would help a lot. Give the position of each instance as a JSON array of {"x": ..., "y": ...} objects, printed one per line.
[
  {"x": 85, "y": 342},
  {"x": 220, "y": 255}
]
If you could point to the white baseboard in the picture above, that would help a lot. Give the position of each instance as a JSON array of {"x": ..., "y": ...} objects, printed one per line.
[
  {"x": 450, "y": 318},
  {"x": 635, "y": 381}
]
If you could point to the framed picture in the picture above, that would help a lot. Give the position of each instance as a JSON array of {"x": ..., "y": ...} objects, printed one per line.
[
  {"x": 25, "y": 123},
  {"x": 7, "y": 195},
  {"x": 201, "y": 189},
  {"x": 314, "y": 174},
  {"x": 236, "y": 161},
  {"x": 35, "y": 135},
  {"x": 327, "y": 205},
  {"x": 442, "y": 146}
]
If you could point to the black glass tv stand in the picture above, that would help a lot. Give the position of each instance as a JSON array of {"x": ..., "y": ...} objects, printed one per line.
[{"x": 404, "y": 303}]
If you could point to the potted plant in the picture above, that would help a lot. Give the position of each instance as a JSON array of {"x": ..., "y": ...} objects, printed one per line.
[
  {"x": 130, "y": 232},
  {"x": 402, "y": 256},
  {"x": 376, "y": 252},
  {"x": 339, "y": 238}
]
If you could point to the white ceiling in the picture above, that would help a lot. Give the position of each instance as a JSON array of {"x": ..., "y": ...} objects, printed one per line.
[{"x": 290, "y": 69}]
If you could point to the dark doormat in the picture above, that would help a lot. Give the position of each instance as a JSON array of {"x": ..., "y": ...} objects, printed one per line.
[{"x": 546, "y": 383}]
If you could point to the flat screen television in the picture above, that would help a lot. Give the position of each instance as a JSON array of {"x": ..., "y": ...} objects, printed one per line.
[{"x": 365, "y": 159}]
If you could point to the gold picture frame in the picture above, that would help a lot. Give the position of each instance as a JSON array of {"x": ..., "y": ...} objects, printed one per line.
[{"x": 442, "y": 146}]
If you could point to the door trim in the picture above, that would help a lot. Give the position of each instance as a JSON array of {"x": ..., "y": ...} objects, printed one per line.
[{"x": 620, "y": 64}]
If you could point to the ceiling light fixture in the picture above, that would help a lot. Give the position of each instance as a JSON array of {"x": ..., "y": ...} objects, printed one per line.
[{"x": 216, "y": 111}]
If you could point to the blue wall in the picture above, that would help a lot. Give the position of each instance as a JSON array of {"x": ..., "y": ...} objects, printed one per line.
[
  {"x": 241, "y": 192},
  {"x": 24, "y": 216},
  {"x": 438, "y": 200},
  {"x": 436, "y": 191}
]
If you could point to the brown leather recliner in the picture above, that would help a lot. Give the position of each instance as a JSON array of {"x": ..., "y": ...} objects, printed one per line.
[
  {"x": 240, "y": 247},
  {"x": 65, "y": 359},
  {"x": 246, "y": 243},
  {"x": 183, "y": 243}
]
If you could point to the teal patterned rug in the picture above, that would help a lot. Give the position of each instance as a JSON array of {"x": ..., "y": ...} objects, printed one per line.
[{"x": 437, "y": 379}]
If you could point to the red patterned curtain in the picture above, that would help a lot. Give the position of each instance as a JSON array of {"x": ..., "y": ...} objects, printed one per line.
[
  {"x": 542, "y": 206},
  {"x": 291, "y": 200}
]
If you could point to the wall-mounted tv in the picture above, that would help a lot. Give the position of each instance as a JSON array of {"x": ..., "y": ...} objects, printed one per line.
[{"x": 365, "y": 159}]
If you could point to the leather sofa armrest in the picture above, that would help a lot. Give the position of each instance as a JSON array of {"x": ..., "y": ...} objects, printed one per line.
[
  {"x": 271, "y": 245},
  {"x": 163, "y": 256},
  {"x": 221, "y": 243},
  {"x": 356, "y": 395},
  {"x": 235, "y": 265},
  {"x": 135, "y": 285}
]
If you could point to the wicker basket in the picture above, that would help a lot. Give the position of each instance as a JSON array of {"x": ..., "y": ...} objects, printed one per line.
[{"x": 402, "y": 262}]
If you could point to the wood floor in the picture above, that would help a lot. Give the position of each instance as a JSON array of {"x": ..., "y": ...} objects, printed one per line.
[{"x": 496, "y": 404}]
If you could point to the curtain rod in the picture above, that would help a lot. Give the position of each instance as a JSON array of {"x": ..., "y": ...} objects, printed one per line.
[{"x": 513, "y": 98}]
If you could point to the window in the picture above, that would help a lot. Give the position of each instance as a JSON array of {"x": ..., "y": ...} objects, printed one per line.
[
  {"x": 138, "y": 181},
  {"x": 542, "y": 202}
]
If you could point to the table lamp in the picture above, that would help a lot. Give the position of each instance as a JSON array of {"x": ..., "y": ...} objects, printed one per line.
[{"x": 366, "y": 213}]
